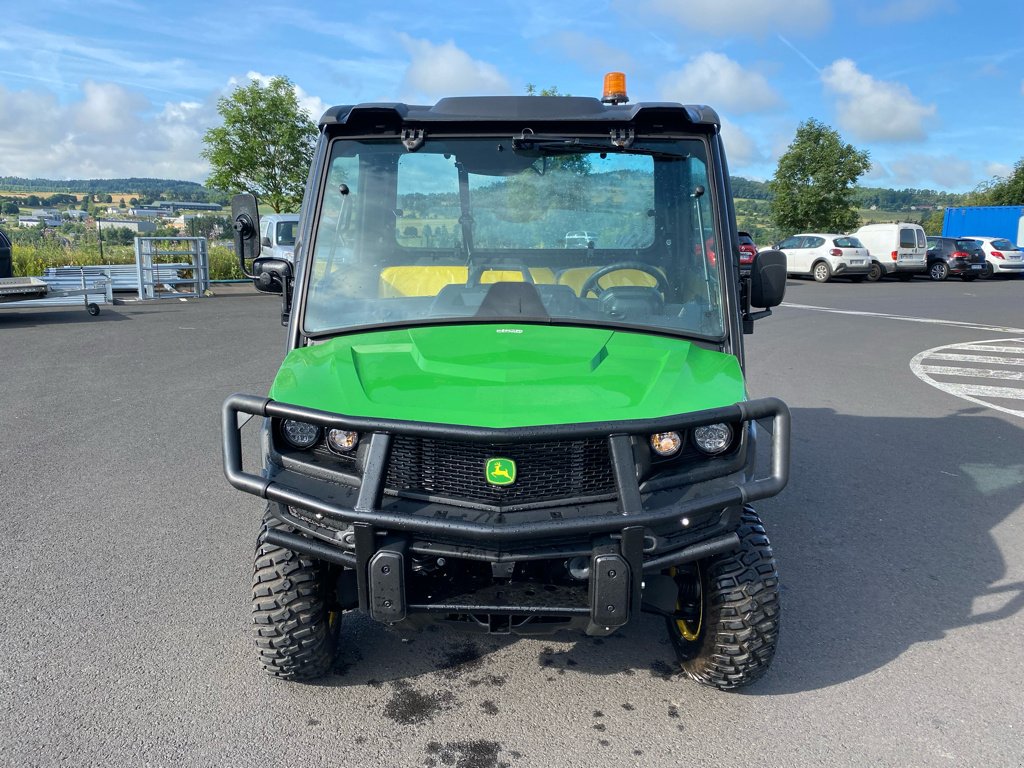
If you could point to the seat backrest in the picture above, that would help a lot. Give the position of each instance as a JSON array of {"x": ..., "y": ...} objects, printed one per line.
[{"x": 428, "y": 280}]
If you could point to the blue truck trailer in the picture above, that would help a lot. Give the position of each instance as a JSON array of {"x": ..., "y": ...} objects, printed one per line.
[{"x": 985, "y": 221}]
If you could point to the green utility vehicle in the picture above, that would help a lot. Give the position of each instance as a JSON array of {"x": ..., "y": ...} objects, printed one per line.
[{"x": 476, "y": 425}]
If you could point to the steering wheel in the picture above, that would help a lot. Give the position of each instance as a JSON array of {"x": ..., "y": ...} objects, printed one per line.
[{"x": 590, "y": 285}]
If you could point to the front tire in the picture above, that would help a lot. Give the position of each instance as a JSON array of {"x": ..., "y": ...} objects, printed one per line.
[
  {"x": 938, "y": 271},
  {"x": 726, "y": 628},
  {"x": 987, "y": 271},
  {"x": 875, "y": 272},
  {"x": 822, "y": 272},
  {"x": 291, "y": 609}
]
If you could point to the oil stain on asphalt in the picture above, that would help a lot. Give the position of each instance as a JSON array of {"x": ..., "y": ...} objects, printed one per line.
[
  {"x": 408, "y": 706},
  {"x": 466, "y": 754}
]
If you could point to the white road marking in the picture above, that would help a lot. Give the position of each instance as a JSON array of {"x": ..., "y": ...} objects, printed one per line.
[
  {"x": 989, "y": 348},
  {"x": 1007, "y": 351},
  {"x": 908, "y": 319},
  {"x": 977, "y": 359},
  {"x": 1007, "y": 393},
  {"x": 985, "y": 373}
]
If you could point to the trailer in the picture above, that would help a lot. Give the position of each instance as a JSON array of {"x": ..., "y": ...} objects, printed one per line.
[
  {"x": 33, "y": 292},
  {"x": 985, "y": 221}
]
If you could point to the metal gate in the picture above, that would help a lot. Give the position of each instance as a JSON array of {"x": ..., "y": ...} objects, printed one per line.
[{"x": 172, "y": 267}]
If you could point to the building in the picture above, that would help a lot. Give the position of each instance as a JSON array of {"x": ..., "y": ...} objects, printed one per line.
[
  {"x": 178, "y": 205},
  {"x": 139, "y": 227},
  {"x": 149, "y": 213},
  {"x": 32, "y": 221}
]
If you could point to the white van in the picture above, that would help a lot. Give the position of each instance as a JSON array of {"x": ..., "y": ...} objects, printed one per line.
[
  {"x": 277, "y": 236},
  {"x": 897, "y": 248}
]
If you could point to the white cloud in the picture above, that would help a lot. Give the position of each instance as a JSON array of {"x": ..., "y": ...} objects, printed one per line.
[
  {"x": 1002, "y": 170},
  {"x": 108, "y": 110},
  {"x": 877, "y": 172},
  {"x": 740, "y": 147},
  {"x": 111, "y": 132},
  {"x": 919, "y": 170},
  {"x": 446, "y": 70},
  {"x": 746, "y": 17},
  {"x": 715, "y": 79},
  {"x": 875, "y": 110}
]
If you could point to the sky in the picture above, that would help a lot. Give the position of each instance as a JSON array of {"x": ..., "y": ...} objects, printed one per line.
[{"x": 933, "y": 89}]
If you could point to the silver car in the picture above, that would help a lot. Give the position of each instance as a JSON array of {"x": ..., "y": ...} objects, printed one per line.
[{"x": 824, "y": 256}]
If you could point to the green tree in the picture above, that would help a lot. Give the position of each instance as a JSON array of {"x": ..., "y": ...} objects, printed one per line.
[
  {"x": 264, "y": 145},
  {"x": 932, "y": 223},
  {"x": 1002, "y": 191},
  {"x": 812, "y": 185},
  {"x": 10, "y": 207}
]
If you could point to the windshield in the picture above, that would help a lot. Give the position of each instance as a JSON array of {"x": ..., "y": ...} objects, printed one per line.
[
  {"x": 484, "y": 229},
  {"x": 1003, "y": 245}
]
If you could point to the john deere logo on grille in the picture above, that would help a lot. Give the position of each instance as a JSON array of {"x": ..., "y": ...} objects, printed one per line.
[{"x": 501, "y": 471}]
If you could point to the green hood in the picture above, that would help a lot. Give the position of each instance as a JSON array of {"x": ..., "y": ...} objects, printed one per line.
[{"x": 508, "y": 376}]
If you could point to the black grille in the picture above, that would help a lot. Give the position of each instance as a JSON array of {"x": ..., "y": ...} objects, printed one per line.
[{"x": 455, "y": 471}]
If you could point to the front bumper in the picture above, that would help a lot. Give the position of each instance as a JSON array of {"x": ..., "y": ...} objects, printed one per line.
[{"x": 645, "y": 530}]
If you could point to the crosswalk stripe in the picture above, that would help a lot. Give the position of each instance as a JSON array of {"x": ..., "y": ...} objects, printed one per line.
[
  {"x": 979, "y": 373},
  {"x": 989, "y": 348},
  {"x": 1005, "y": 393},
  {"x": 1004, "y": 353},
  {"x": 975, "y": 359}
]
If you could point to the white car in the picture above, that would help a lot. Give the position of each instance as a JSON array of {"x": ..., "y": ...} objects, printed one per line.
[
  {"x": 824, "y": 256},
  {"x": 278, "y": 232},
  {"x": 1001, "y": 256}
]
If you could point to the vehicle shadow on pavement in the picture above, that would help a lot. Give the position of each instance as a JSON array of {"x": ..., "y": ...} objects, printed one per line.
[
  {"x": 884, "y": 545},
  {"x": 879, "y": 546},
  {"x": 28, "y": 317},
  {"x": 371, "y": 654}
]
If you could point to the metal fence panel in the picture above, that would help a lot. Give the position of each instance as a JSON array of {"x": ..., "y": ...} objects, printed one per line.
[{"x": 167, "y": 265}]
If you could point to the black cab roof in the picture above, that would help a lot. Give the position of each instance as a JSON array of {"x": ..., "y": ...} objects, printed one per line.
[{"x": 515, "y": 109}]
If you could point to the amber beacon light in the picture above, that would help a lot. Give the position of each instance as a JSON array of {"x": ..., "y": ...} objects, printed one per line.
[{"x": 615, "y": 88}]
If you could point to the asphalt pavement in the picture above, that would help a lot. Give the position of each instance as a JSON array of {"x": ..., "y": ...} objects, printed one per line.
[{"x": 127, "y": 561}]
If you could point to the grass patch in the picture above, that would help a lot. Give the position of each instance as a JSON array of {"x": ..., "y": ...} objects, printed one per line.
[{"x": 34, "y": 259}]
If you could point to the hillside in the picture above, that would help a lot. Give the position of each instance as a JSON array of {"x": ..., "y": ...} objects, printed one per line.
[{"x": 169, "y": 189}]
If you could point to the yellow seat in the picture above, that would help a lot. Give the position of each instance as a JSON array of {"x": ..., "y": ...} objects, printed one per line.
[
  {"x": 575, "y": 277},
  {"x": 428, "y": 280}
]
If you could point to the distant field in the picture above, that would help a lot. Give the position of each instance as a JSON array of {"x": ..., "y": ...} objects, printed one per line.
[
  {"x": 78, "y": 195},
  {"x": 871, "y": 217}
]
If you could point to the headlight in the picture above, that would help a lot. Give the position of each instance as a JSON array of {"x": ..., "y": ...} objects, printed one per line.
[
  {"x": 342, "y": 440},
  {"x": 713, "y": 438},
  {"x": 300, "y": 434},
  {"x": 666, "y": 443}
]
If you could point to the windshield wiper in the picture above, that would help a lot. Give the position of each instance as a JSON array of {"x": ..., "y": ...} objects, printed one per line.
[{"x": 557, "y": 145}]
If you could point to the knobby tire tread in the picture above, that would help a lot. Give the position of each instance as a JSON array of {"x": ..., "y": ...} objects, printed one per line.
[
  {"x": 293, "y": 637},
  {"x": 742, "y": 612}
]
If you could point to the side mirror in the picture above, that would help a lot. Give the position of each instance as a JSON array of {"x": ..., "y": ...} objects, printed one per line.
[
  {"x": 271, "y": 275},
  {"x": 768, "y": 279},
  {"x": 245, "y": 220},
  {"x": 266, "y": 241}
]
